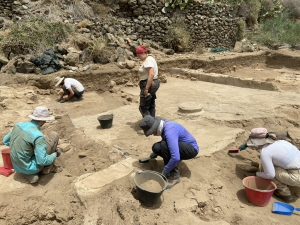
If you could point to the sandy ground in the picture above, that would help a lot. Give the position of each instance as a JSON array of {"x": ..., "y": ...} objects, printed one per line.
[{"x": 210, "y": 191}]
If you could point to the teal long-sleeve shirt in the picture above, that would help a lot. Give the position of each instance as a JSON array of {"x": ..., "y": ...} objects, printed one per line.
[{"x": 28, "y": 148}]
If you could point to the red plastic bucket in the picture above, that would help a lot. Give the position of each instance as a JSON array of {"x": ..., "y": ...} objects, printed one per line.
[
  {"x": 6, "y": 158},
  {"x": 258, "y": 190}
]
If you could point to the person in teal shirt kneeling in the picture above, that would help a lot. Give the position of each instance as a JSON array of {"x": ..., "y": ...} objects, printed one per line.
[{"x": 32, "y": 152}]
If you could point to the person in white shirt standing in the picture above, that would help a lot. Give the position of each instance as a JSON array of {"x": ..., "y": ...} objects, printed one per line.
[
  {"x": 149, "y": 82},
  {"x": 71, "y": 89},
  {"x": 281, "y": 162}
]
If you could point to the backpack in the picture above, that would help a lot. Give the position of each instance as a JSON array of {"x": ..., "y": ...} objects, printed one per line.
[{"x": 259, "y": 133}]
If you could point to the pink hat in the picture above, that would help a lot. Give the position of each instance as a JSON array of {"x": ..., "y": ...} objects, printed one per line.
[{"x": 141, "y": 50}]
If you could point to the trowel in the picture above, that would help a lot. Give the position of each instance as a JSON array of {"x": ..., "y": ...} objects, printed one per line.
[{"x": 147, "y": 159}]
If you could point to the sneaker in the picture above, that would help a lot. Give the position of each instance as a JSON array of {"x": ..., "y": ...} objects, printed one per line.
[
  {"x": 32, "y": 179},
  {"x": 284, "y": 193},
  {"x": 172, "y": 182},
  {"x": 174, "y": 174}
]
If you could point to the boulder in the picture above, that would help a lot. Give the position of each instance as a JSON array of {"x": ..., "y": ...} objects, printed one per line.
[
  {"x": 130, "y": 64},
  {"x": 82, "y": 42},
  {"x": 72, "y": 58},
  {"x": 3, "y": 60},
  {"x": 24, "y": 66},
  {"x": 10, "y": 67}
]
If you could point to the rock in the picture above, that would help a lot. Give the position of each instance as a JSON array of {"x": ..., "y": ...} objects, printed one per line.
[
  {"x": 82, "y": 42},
  {"x": 111, "y": 38},
  {"x": 25, "y": 2},
  {"x": 130, "y": 64},
  {"x": 168, "y": 51},
  {"x": 82, "y": 154},
  {"x": 123, "y": 95},
  {"x": 163, "y": 78},
  {"x": 10, "y": 67},
  {"x": 121, "y": 65},
  {"x": 72, "y": 58},
  {"x": 84, "y": 30},
  {"x": 112, "y": 83},
  {"x": 85, "y": 68},
  {"x": 3, "y": 60},
  {"x": 65, "y": 147},
  {"x": 25, "y": 66},
  {"x": 72, "y": 68},
  {"x": 129, "y": 84}
]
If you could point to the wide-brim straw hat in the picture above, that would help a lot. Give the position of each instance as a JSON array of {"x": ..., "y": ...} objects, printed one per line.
[{"x": 58, "y": 80}]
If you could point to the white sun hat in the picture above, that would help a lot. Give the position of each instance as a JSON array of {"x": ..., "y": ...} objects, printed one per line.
[
  {"x": 41, "y": 113},
  {"x": 58, "y": 80}
]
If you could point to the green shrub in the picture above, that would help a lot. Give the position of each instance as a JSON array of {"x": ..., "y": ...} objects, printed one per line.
[
  {"x": 278, "y": 30},
  {"x": 178, "y": 37},
  {"x": 33, "y": 36}
]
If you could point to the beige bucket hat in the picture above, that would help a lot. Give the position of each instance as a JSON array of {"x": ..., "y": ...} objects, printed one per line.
[
  {"x": 41, "y": 113},
  {"x": 58, "y": 80}
]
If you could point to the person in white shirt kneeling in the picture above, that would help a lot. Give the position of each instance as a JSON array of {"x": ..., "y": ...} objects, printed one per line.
[
  {"x": 281, "y": 162},
  {"x": 71, "y": 89}
]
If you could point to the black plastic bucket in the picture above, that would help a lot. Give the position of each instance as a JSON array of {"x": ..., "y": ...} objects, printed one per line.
[
  {"x": 106, "y": 121},
  {"x": 145, "y": 195}
]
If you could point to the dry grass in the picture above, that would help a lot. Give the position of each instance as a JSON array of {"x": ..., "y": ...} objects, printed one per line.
[
  {"x": 178, "y": 37},
  {"x": 33, "y": 36},
  {"x": 199, "y": 48},
  {"x": 99, "y": 51},
  {"x": 100, "y": 10},
  {"x": 80, "y": 10}
]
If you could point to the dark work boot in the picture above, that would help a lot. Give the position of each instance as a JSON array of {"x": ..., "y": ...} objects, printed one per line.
[{"x": 283, "y": 192}]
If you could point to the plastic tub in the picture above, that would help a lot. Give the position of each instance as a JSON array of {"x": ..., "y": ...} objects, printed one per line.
[
  {"x": 106, "y": 121},
  {"x": 258, "y": 190},
  {"x": 6, "y": 158}
]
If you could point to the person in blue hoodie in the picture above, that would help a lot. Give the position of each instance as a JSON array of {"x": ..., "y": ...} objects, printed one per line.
[
  {"x": 33, "y": 152},
  {"x": 177, "y": 144}
]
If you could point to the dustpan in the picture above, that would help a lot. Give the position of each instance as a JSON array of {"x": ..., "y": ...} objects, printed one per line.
[{"x": 284, "y": 209}]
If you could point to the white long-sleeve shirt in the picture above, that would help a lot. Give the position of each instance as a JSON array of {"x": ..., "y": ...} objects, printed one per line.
[{"x": 282, "y": 154}]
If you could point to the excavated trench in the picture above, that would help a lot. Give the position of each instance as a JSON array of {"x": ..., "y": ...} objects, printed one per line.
[{"x": 232, "y": 105}]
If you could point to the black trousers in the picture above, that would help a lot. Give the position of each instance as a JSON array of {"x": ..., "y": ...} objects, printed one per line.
[
  {"x": 186, "y": 151},
  {"x": 77, "y": 94},
  {"x": 147, "y": 104}
]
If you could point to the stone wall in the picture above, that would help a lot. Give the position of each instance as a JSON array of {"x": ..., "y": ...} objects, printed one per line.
[
  {"x": 209, "y": 25},
  {"x": 6, "y": 8}
]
